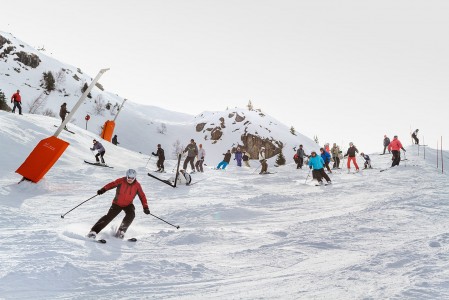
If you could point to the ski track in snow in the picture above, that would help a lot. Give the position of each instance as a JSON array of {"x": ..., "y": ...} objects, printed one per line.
[{"x": 368, "y": 236}]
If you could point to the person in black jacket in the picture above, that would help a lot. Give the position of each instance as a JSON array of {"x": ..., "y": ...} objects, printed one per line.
[
  {"x": 224, "y": 163},
  {"x": 386, "y": 143},
  {"x": 161, "y": 158},
  {"x": 114, "y": 140},
  {"x": 352, "y": 150},
  {"x": 415, "y": 136}
]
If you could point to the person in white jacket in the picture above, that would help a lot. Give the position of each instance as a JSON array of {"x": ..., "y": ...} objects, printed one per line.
[
  {"x": 263, "y": 161},
  {"x": 200, "y": 158}
]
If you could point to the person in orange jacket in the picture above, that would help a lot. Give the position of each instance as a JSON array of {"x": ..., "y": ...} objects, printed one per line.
[
  {"x": 395, "y": 147},
  {"x": 17, "y": 99},
  {"x": 127, "y": 189}
]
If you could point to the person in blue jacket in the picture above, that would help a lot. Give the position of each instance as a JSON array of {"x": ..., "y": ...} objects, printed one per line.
[
  {"x": 317, "y": 163},
  {"x": 238, "y": 156},
  {"x": 327, "y": 158}
]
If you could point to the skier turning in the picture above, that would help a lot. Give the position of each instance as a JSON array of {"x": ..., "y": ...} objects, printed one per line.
[
  {"x": 127, "y": 189},
  {"x": 317, "y": 163},
  {"x": 161, "y": 158},
  {"x": 351, "y": 157},
  {"x": 101, "y": 151},
  {"x": 224, "y": 163}
]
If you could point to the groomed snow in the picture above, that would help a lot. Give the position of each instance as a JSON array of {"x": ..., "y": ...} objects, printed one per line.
[{"x": 371, "y": 235}]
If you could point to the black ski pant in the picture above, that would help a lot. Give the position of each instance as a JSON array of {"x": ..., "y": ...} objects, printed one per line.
[
  {"x": 416, "y": 139},
  {"x": 101, "y": 154},
  {"x": 327, "y": 166},
  {"x": 112, "y": 213},
  {"x": 396, "y": 157},
  {"x": 18, "y": 105},
  {"x": 264, "y": 166},
  {"x": 189, "y": 159},
  {"x": 336, "y": 162},
  {"x": 199, "y": 165},
  {"x": 160, "y": 163},
  {"x": 300, "y": 163},
  {"x": 319, "y": 174},
  {"x": 385, "y": 148}
]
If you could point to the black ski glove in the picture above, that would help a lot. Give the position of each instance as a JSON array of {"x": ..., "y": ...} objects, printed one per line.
[
  {"x": 153, "y": 153},
  {"x": 101, "y": 191},
  {"x": 146, "y": 210}
]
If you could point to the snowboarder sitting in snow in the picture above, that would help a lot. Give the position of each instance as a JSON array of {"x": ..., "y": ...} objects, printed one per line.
[
  {"x": 161, "y": 158},
  {"x": 224, "y": 163},
  {"x": 127, "y": 189},
  {"x": 367, "y": 164},
  {"x": 101, "y": 151},
  {"x": 415, "y": 136},
  {"x": 317, "y": 163}
]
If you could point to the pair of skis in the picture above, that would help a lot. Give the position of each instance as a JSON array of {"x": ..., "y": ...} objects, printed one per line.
[{"x": 103, "y": 241}]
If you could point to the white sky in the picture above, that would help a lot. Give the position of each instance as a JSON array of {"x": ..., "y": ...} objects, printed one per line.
[{"x": 343, "y": 70}]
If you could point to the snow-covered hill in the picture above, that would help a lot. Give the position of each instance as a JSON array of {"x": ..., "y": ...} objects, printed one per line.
[
  {"x": 371, "y": 235},
  {"x": 138, "y": 127}
]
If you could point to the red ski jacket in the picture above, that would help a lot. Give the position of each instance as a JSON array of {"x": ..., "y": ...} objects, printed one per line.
[
  {"x": 125, "y": 193},
  {"x": 395, "y": 145},
  {"x": 16, "y": 97}
]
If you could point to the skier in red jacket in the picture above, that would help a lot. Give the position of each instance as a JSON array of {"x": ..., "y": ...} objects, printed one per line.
[
  {"x": 127, "y": 189},
  {"x": 17, "y": 102},
  {"x": 395, "y": 147}
]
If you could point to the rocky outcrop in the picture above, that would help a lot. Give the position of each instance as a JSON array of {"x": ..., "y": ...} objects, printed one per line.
[
  {"x": 216, "y": 134},
  {"x": 253, "y": 143},
  {"x": 239, "y": 118},
  {"x": 28, "y": 59},
  {"x": 200, "y": 127},
  {"x": 4, "y": 41}
]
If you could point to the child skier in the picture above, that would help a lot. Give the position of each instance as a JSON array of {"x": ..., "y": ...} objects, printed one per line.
[
  {"x": 367, "y": 164},
  {"x": 127, "y": 189}
]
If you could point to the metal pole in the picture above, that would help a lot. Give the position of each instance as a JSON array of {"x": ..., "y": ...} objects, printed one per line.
[
  {"x": 442, "y": 167},
  {"x": 120, "y": 109},
  {"x": 437, "y": 155},
  {"x": 424, "y": 148},
  {"x": 80, "y": 101}
]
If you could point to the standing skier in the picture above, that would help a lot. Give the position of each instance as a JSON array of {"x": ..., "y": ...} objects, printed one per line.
[
  {"x": 238, "y": 157},
  {"x": 127, "y": 189},
  {"x": 326, "y": 158},
  {"x": 395, "y": 147},
  {"x": 367, "y": 163},
  {"x": 300, "y": 153},
  {"x": 200, "y": 158},
  {"x": 317, "y": 163},
  {"x": 263, "y": 161},
  {"x": 335, "y": 151},
  {"x": 63, "y": 112},
  {"x": 415, "y": 136},
  {"x": 192, "y": 151},
  {"x": 114, "y": 140},
  {"x": 386, "y": 143},
  {"x": 224, "y": 163},
  {"x": 351, "y": 157},
  {"x": 17, "y": 99},
  {"x": 245, "y": 159},
  {"x": 101, "y": 151},
  {"x": 160, "y": 158}
]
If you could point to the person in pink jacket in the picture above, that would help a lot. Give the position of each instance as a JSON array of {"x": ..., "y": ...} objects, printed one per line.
[{"x": 395, "y": 147}]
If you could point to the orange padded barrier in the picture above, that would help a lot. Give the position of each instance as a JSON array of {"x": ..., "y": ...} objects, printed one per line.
[
  {"x": 108, "y": 130},
  {"x": 42, "y": 158}
]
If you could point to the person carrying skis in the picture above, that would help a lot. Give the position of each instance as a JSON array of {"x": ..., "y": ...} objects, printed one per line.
[
  {"x": 335, "y": 151},
  {"x": 415, "y": 136},
  {"x": 238, "y": 157},
  {"x": 317, "y": 164},
  {"x": 245, "y": 158},
  {"x": 300, "y": 153},
  {"x": 126, "y": 190},
  {"x": 192, "y": 151},
  {"x": 17, "y": 99},
  {"x": 326, "y": 158},
  {"x": 395, "y": 147},
  {"x": 114, "y": 140},
  {"x": 101, "y": 151},
  {"x": 386, "y": 143},
  {"x": 160, "y": 158},
  {"x": 367, "y": 163},
  {"x": 63, "y": 112},
  {"x": 351, "y": 157},
  {"x": 263, "y": 161},
  {"x": 200, "y": 158},
  {"x": 224, "y": 163}
]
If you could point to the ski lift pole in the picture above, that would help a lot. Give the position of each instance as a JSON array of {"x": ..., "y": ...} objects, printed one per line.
[
  {"x": 80, "y": 101},
  {"x": 119, "y": 110}
]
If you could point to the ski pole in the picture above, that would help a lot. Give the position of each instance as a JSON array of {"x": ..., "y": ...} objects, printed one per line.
[
  {"x": 177, "y": 227},
  {"x": 256, "y": 169},
  {"x": 151, "y": 156},
  {"x": 307, "y": 176},
  {"x": 62, "y": 216}
]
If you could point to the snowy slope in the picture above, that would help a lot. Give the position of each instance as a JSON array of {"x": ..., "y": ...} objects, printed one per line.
[
  {"x": 137, "y": 126},
  {"x": 243, "y": 236}
]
